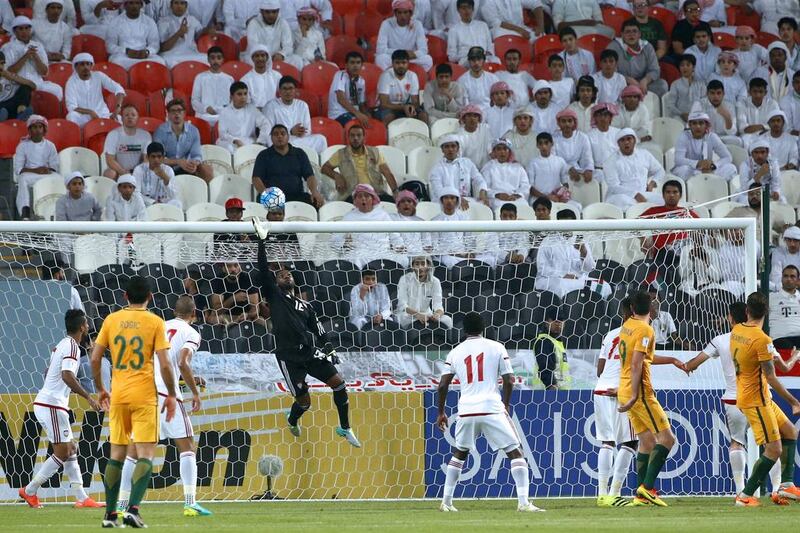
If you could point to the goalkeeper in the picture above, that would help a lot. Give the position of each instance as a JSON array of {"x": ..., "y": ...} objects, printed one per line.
[{"x": 300, "y": 344}]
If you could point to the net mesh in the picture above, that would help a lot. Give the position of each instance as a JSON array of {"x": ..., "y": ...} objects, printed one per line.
[{"x": 520, "y": 282}]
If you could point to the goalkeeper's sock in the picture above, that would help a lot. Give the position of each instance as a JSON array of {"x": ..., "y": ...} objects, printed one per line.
[
  {"x": 738, "y": 462},
  {"x": 126, "y": 482},
  {"x": 453, "y": 472},
  {"x": 657, "y": 459},
  {"x": 45, "y": 472},
  {"x": 342, "y": 405},
  {"x": 296, "y": 412},
  {"x": 73, "y": 472},
  {"x": 787, "y": 460},
  {"x": 111, "y": 478},
  {"x": 519, "y": 471},
  {"x": 605, "y": 460},
  {"x": 759, "y": 472},
  {"x": 642, "y": 460},
  {"x": 622, "y": 465},
  {"x": 774, "y": 476},
  {"x": 141, "y": 478}
]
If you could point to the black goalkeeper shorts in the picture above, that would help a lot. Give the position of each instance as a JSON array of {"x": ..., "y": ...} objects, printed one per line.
[{"x": 295, "y": 372}]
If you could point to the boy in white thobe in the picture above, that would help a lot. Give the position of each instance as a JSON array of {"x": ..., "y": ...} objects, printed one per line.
[
  {"x": 292, "y": 113},
  {"x": 402, "y": 32},
  {"x": 133, "y": 37},
  {"x": 34, "y": 159},
  {"x": 573, "y": 146},
  {"x": 544, "y": 112},
  {"x": 696, "y": 147},
  {"x": 456, "y": 172},
  {"x": 35, "y": 67},
  {"x": 211, "y": 88},
  {"x": 506, "y": 179},
  {"x": 84, "y": 92},
  {"x": 237, "y": 15},
  {"x": 475, "y": 138},
  {"x": 466, "y": 33},
  {"x": 782, "y": 146},
  {"x": 632, "y": 175},
  {"x": 155, "y": 180},
  {"x": 457, "y": 247},
  {"x": 238, "y": 121},
  {"x": 271, "y": 30},
  {"x": 97, "y": 16},
  {"x": 128, "y": 204},
  {"x": 178, "y": 31},
  {"x": 477, "y": 83},
  {"x": 54, "y": 33},
  {"x": 753, "y": 111},
  {"x": 262, "y": 81}
]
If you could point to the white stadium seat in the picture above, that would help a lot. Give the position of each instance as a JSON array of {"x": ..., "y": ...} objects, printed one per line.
[
  {"x": 669, "y": 160},
  {"x": 334, "y": 211},
  {"x": 703, "y": 188},
  {"x": 428, "y": 210},
  {"x": 313, "y": 156},
  {"x": 229, "y": 186},
  {"x": 790, "y": 186},
  {"x": 586, "y": 193},
  {"x": 738, "y": 154},
  {"x": 558, "y": 206},
  {"x": 389, "y": 207},
  {"x": 524, "y": 211},
  {"x": 46, "y": 193},
  {"x": 443, "y": 126},
  {"x": 254, "y": 209},
  {"x": 781, "y": 214},
  {"x": 328, "y": 152},
  {"x": 421, "y": 161},
  {"x": 654, "y": 149},
  {"x": 145, "y": 246},
  {"x": 191, "y": 190},
  {"x": 479, "y": 211},
  {"x": 100, "y": 187},
  {"x": 636, "y": 210},
  {"x": 300, "y": 211},
  {"x": 665, "y": 132},
  {"x": 164, "y": 212},
  {"x": 408, "y": 133},
  {"x": 721, "y": 209},
  {"x": 79, "y": 159},
  {"x": 205, "y": 212},
  {"x": 218, "y": 157},
  {"x": 395, "y": 158},
  {"x": 602, "y": 210},
  {"x": 244, "y": 159},
  {"x": 653, "y": 103},
  {"x": 624, "y": 251},
  {"x": 93, "y": 251}
]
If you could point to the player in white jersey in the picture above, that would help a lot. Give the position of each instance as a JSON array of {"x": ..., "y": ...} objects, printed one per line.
[
  {"x": 478, "y": 363},
  {"x": 612, "y": 428},
  {"x": 720, "y": 347},
  {"x": 51, "y": 407},
  {"x": 184, "y": 341}
]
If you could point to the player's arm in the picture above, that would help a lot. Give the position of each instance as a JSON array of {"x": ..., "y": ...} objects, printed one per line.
[
  {"x": 508, "y": 386},
  {"x": 786, "y": 366},
  {"x": 185, "y": 366},
  {"x": 696, "y": 361},
  {"x": 169, "y": 381},
  {"x": 768, "y": 369},
  {"x": 637, "y": 362},
  {"x": 444, "y": 386},
  {"x": 74, "y": 385},
  {"x": 103, "y": 397},
  {"x": 665, "y": 360},
  {"x": 601, "y": 365}
]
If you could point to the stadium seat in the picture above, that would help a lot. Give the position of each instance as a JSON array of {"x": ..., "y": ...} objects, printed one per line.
[
  {"x": 246, "y": 154},
  {"x": 135, "y": 98},
  {"x": 205, "y": 212},
  {"x": 158, "y": 107},
  {"x": 4, "y": 38},
  {"x": 312, "y": 154},
  {"x": 636, "y": 210},
  {"x": 191, "y": 190},
  {"x": 363, "y": 23},
  {"x": 428, "y": 210},
  {"x": 669, "y": 72},
  {"x": 149, "y": 76},
  {"x": 493, "y": 67},
  {"x": 524, "y": 211},
  {"x": 654, "y": 149},
  {"x": 479, "y": 211},
  {"x": 149, "y": 124},
  {"x": 59, "y": 73},
  {"x": 505, "y": 43},
  {"x": 100, "y": 187},
  {"x": 334, "y": 211},
  {"x": 722, "y": 208},
  {"x": 254, "y": 210},
  {"x": 286, "y": 69},
  {"x": 337, "y": 23},
  {"x": 421, "y": 76},
  {"x": 703, "y": 188},
  {"x": 328, "y": 127},
  {"x": 375, "y": 132},
  {"x": 202, "y": 126},
  {"x": 653, "y": 104},
  {"x": 458, "y": 71},
  {"x": 442, "y": 127},
  {"x": 586, "y": 193},
  {"x": 614, "y": 17},
  {"x": 95, "y": 131},
  {"x": 389, "y": 207},
  {"x": 164, "y": 213},
  {"x": 229, "y": 186},
  {"x": 147, "y": 247},
  {"x": 395, "y": 158},
  {"x": 337, "y": 47},
  {"x": 113, "y": 71},
  {"x": 421, "y": 160},
  {"x": 328, "y": 152},
  {"x": 347, "y": 6},
  {"x": 781, "y": 214},
  {"x": 765, "y": 38},
  {"x": 47, "y": 105},
  {"x": 93, "y": 251},
  {"x": 230, "y": 50},
  {"x": 11, "y": 131},
  {"x": 558, "y": 206},
  {"x": 371, "y": 73},
  {"x": 408, "y": 133},
  {"x": 595, "y": 43},
  {"x": 184, "y": 73},
  {"x": 602, "y": 210},
  {"x": 300, "y": 211},
  {"x": 437, "y": 49},
  {"x": 724, "y": 40},
  {"x": 539, "y": 70},
  {"x": 219, "y": 158},
  {"x": 46, "y": 191},
  {"x": 669, "y": 159},
  {"x": 666, "y": 131},
  {"x": 702, "y": 211},
  {"x": 624, "y": 251},
  {"x": 317, "y": 77},
  {"x": 91, "y": 44},
  {"x": 544, "y": 46},
  {"x": 790, "y": 186},
  {"x": 63, "y": 133},
  {"x": 742, "y": 18},
  {"x": 78, "y": 159},
  {"x": 665, "y": 16},
  {"x": 738, "y": 154},
  {"x": 236, "y": 69}
]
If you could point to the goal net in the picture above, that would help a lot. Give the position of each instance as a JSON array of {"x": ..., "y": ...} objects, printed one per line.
[{"x": 526, "y": 278}]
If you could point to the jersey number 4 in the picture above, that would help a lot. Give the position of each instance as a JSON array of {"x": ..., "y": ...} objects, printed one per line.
[{"x": 472, "y": 372}]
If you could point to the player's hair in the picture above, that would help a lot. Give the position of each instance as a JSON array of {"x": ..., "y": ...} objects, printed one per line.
[
  {"x": 215, "y": 50},
  {"x": 625, "y": 308},
  {"x": 287, "y": 79},
  {"x": 470, "y": 3},
  {"x": 368, "y": 272},
  {"x": 184, "y": 305},
  {"x": 278, "y": 127},
  {"x": 700, "y": 29},
  {"x": 237, "y": 86},
  {"x": 640, "y": 302},
  {"x": 512, "y": 51},
  {"x": 791, "y": 267},
  {"x": 353, "y": 55},
  {"x": 512, "y": 208},
  {"x": 400, "y": 55},
  {"x": 629, "y": 24},
  {"x": 544, "y": 136},
  {"x": 473, "y": 323},
  {"x": 73, "y": 320},
  {"x": 544, "y": 202},
  {"x": 138, "y": 290},
  {"x": 176, "y": 102},
  {"x": 566, "y": 214},
  {"x": 155, "y": 148},
  {"x": 758, "y": 82},
  {"x": 672, "y": 183},
  {"x": 757, "y": 306},
  {"x": 566, "y": 30},
  {"x": 605, "y": 54},
  {"x": 788, "y": 20},
  {"x": 715, "y": 85},
  {"x": 444, "y": 68},
  {"x": 688, "y": 58},
  {"x": 738, "y": 311},
  {"x": 554, "y": 58}
]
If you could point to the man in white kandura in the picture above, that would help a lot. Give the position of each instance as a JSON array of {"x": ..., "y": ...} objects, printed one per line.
[{"x": 478, "y": 363}]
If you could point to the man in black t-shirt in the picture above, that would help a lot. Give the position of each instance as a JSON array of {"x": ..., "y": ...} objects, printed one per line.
[
  {"x": 234, "y": 298},
  {"x": 683, "y": 33}
]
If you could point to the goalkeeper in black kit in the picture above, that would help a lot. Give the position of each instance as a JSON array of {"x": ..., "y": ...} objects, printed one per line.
[{"x": 300, "y": 344}]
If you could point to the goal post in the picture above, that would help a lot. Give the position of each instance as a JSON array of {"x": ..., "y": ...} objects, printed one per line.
[{"x": 392, "y": 370}]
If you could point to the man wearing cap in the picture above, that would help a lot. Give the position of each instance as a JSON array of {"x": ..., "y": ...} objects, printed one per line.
[
  {"x": 358, "y": 163},
  {"x": 573, "y": 146},
  {"x": 54, "y": 33},
  {"x": 453, "y": 171},
  {"x": 477, "y": 83},
  {"x": 402, "y": 32},
  {"x": 414, "y": 243},
  {"x": 177, "y": 31},
  {"x": 210, "y": 92},
  {"x": 133, "y": 37},
  {"x": 696, "y": 147},
  {"x": 785, "y": 255},
  {"x": 459, "y": 247},
  {"x": 544, "y": 112},
  {"x": 271, "y": 30},
  {"x": 475, "y": 139},
  {"x": 506, "y": 179},
  {"x": 631, "y": 175},
  {"x": 234, "y": 212},
  {"x": 777, "y": 74},
  {"x": 28, "y": 58},
  {"x": 760, "y": 168},
  {"x": 34, "y": 159},
  {"x": 126, "y": 206},
  {"x": 522, "y": 137},
  {"x": 77, "y": 204},
  {"x": 398, "y": 91},
  {"x": 262, "y": 81},
  {"x": 782, "y": 145},
  {"x": 181, "y": 142},
  {"x": 638, "y": 61},
  {"x": 84, "y": 92}
]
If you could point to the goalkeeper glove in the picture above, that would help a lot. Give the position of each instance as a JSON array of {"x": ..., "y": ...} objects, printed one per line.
[
  {"x": 327, "y": 352},
  {"x": 261, "y": 228}
]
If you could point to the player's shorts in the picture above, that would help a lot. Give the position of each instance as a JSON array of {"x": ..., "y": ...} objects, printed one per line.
[
  {"x": 737, "y": 423},
  {"x": 496, "y": 427},
  {"x": 55, "y": 421},
  {"x": 295, "y": 372},
  {"x": 765, "y": 421},
  {"x": 647, "y": 415},
  {"x": 180, "y": 427},
  {"x": 609, "y": 424},
  {"x": 126, "y": 419}
]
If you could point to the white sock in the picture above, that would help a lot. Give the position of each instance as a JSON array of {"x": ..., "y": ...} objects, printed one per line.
[
  {"x": 126, "y": 482},
  {"x": 73, "y": 472},
  {"x": 605, "y": 461},
  {"x": 775, "y": 476},
  {"x": 519, "y": 471},
  {"x": 622, "y": 465},
  {"x": 45, "y": 472},
  {"x": 738, "y": 462},
  {"x": 189, "y": 477},
  {"x": 451, "y": 479}
]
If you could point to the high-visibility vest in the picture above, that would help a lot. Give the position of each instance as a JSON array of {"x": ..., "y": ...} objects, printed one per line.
[{"x": 562, "y": 368}]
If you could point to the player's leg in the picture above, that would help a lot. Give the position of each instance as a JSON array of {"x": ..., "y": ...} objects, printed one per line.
[
  {"x": 737, "y": 428},
  {"x": 188, "y": 469},
  {"x": 465, "y": 435},
  {"x": 623, "y": 433},
  {"x": 294, "y": 375},
  {"x": 145, "y": 424},
  {"x": 767, "y": 433},
  {"x": 604, "y": 408},
  {"x": 55, "y": 422},
  {"x": 501, "y": 434},
  {"x": 788, "y": 434},
  {"x": 651, "y": 417},
  {"x": 325, "y": 371},
  {"x": 127, "y": 477},
  {"x": 73, "y": 472}
]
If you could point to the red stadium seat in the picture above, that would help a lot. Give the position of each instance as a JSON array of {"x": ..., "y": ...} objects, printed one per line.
[
  {"x": 752, "y": 19},
  {"x": 313, "y": 101},
  {"x": 135, "y": 98},
  {"x": 666, "y": 17},
  {"x": 364, "y": 24},
  {"x": 91, "y": 44},
  {"x": 63, "y": 133},
  {"x": 236, "y": 69},
  {"x": 24, "y": 12},
  {"x": 614, "y": 17},
  {"x": 328, "y": 127},
  {"x": 113, "y": 71},
  {"x": 149, "y": 124},
  {"x": 149, "y": 76},
  {"x": 458, "y": 71},
  {"x": 546, "y": 45},
  {"x": 203, "y": 127},
  {"x": 347, "y": 6},
  {"x": 765, "y": 38},
  {"x": 11, "y": 131},
  {"x": 420, "y": 72},
  {"x": 59, "y": 73},
  {"x": 538, "y": 70},
  {"x": 669, "y": 72},
  {"x": 493, "y": 67},
  {"x": 4, "y": 38},
  {"x": 381, "y": 6},
  {"x": 230, "y": 50},
  {"x": 286, "y": 69},
  {"x": 375, "y": 133},
  {"x": 437, "y": 49},
  {"x": 513, "y": 42},
  {"x": 337, "y": 47},
  {"x": 157, "y": 106},
  {"x": 595, "y": 43},
  {"x": 730, "y": 15},
  {"x": 371, "y": 73},
  {"x": 317, "y": 77},
  {"x": 47, "y": 105},
  {"x": 95, "y": 131},
  {"x": 337, "y": 23},
  {"x": 183, "y": 75},
  {"x": 726, "y": 41}
]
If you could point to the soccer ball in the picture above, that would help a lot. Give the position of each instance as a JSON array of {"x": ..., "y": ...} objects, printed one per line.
[{"x": 273, "y": 198}]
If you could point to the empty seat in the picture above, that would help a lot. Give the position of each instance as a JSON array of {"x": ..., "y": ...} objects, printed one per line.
[
  {"x": 331, "y": 129},
  {"x": 602, "y": 210},
  {"x": 236, "y": 69},
  {"x": 45, "y": 192},
  {"x": 63, "y": 133},
  {"x": 706, "y": 188},
  {"x": 408, "y": 133},
  {"x": 395, "y": 158},
  {"x": 442, "y": 127},
  {"x": 428, "y": 210},
  {"x": 254, "y": 209},
  {"x": 229, "y": 186},
  {"x": 164, "y": 212},
  {"x": 218, "y": 157},
  {"x": 479, "y": 211},
  {"x": 191, "y": 190},
  {"x": 93, "y": 251},
  {"x": 149, "y": 76},
  {"x": 246, "y": 155},
  {"x": 665, "y": 131},
  {"x": 586, "y": 193},
  {"x": 421, "y": 161},
  {"x": 334, "y": 211},
  {"x": 100, "y": 187},
  {"x": 300, "y": 211},
  {"x": 79, "y": 159},
  {"x": 636, "y": 210},
  {"x": 790, "y": 186},
  {"x": 184, "y": 73},
  {"x": 205, "y": 212}
]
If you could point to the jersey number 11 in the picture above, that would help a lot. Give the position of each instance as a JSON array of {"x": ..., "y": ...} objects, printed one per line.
[{"x": 470, "y": 371}]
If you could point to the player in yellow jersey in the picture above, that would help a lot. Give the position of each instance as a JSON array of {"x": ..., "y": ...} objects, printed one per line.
[
  {"x": 637, "y": 397},
  {"x": 133, "y": 335},
  {"x": 753, "y": 354}
]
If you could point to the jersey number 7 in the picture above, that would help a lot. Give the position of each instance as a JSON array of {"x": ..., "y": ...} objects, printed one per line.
[{"x": 470, "y": 371}]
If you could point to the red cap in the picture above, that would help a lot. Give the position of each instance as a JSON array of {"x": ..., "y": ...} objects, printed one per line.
[{"x": 234, "y": 203}]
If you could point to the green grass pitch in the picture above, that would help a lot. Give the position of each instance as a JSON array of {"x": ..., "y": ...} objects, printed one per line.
[{"x": 688, "y": 514}]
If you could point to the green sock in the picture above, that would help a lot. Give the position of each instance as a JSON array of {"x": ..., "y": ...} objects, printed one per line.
[
  {"x": 657, "y": 458},
  {"x": 642, "y": 460},
  {"x": 111, "y": 478},
  {"x": 760, "y": 471},
  {"x": 141, "y": 478},
  {"x": 787, "y": 460}
]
